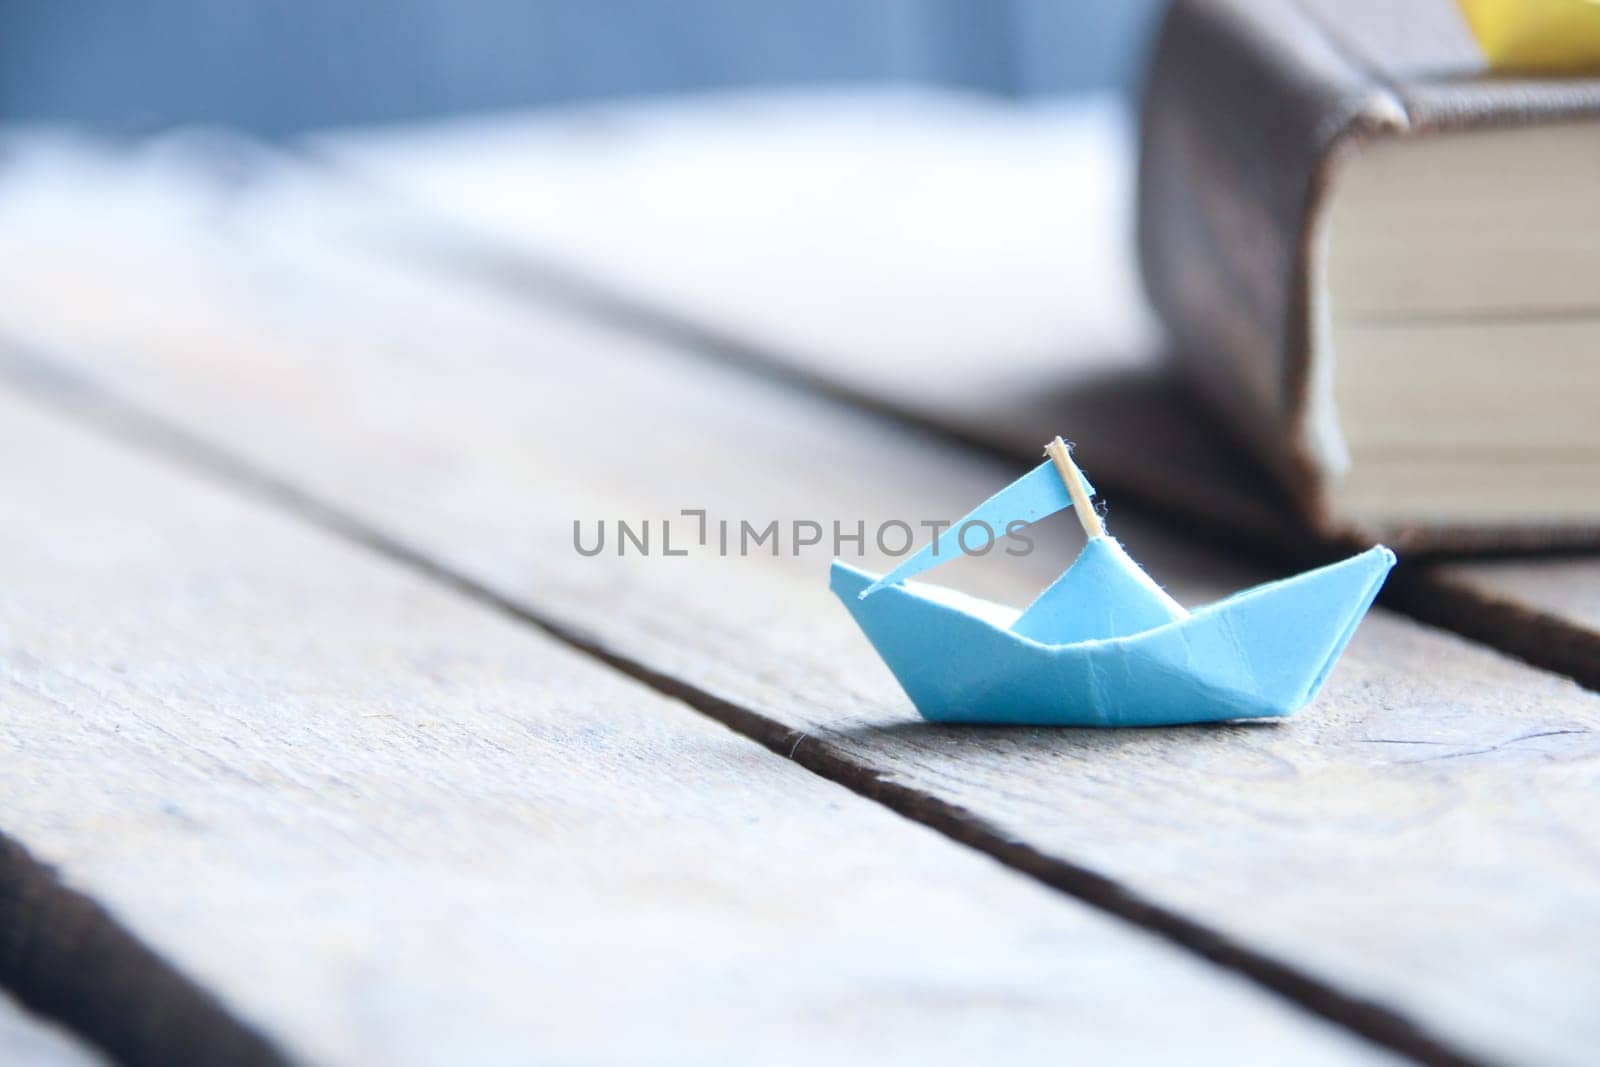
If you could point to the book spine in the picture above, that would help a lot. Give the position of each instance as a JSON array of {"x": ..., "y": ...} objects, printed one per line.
[{"x": 1246, "y": 104}]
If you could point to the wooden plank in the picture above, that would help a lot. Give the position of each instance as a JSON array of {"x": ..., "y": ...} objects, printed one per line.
[
  {"x": 1544, "y": 609},
  {"x": 1564, "y": 588},
  {"x": 1423, "y": 836},
  {"x": 390, "y": 825},
  {"x": 993, "y": 296}
]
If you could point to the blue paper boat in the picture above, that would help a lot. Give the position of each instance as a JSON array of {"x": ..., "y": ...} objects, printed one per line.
[{"x": 1104, "y": 646}]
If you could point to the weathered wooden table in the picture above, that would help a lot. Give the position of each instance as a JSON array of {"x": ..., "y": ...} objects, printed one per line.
[{"x": 321, "y": 741}]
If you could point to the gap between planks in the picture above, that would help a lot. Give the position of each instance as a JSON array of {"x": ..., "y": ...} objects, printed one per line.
[
  {"x": 48, "y": 382},
  {"x": 1238, "y": 514},
  {"x": 1238, "y": 525},
  {"x": 64, "y": 958},
  {"x": 297, "y": 756}
]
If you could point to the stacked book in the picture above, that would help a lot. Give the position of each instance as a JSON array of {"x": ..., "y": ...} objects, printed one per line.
[{"x": 1380, "y": 259}]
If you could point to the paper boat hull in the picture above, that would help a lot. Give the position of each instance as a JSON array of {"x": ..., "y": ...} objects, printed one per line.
[{"x": 1260, "y": 653}]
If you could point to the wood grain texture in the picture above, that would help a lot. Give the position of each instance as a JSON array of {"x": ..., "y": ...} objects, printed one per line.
[
  {"x": 391, "y": 825},
  {"x": 1423, "y": 835},
  {"x": 994, "y": 296}
]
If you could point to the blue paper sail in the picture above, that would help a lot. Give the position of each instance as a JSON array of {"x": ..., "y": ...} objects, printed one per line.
[
  {"x": 1104, "y": 645},
  {"x": 1036, "y": 495},
  {"x": 1103, "y": 594}
]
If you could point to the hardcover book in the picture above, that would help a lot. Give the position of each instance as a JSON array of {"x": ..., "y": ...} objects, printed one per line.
[{"x": 1380, "y": 262}]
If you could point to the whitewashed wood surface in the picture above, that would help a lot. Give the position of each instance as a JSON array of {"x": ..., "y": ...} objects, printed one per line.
[
  {"x": 959, "y": 261},
  {"x": 1422, "y": 836},
  {"x": 388, "y": 824}
]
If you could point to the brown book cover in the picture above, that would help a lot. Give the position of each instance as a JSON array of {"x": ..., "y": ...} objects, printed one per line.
[{"x": 1248, "y": 108}]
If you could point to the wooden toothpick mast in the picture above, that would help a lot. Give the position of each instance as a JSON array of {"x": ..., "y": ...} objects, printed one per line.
[{"x": 1058, "y": 451}]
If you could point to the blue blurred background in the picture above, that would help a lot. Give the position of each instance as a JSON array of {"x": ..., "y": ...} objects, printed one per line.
[{"x": 281, "y": 66}]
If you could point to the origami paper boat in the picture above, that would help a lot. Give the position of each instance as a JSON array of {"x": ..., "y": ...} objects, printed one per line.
[{"x": 1104, "y": 645}]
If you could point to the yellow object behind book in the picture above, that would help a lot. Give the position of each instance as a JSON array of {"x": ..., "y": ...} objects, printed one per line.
[{"x": 1537, "y": 35}]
